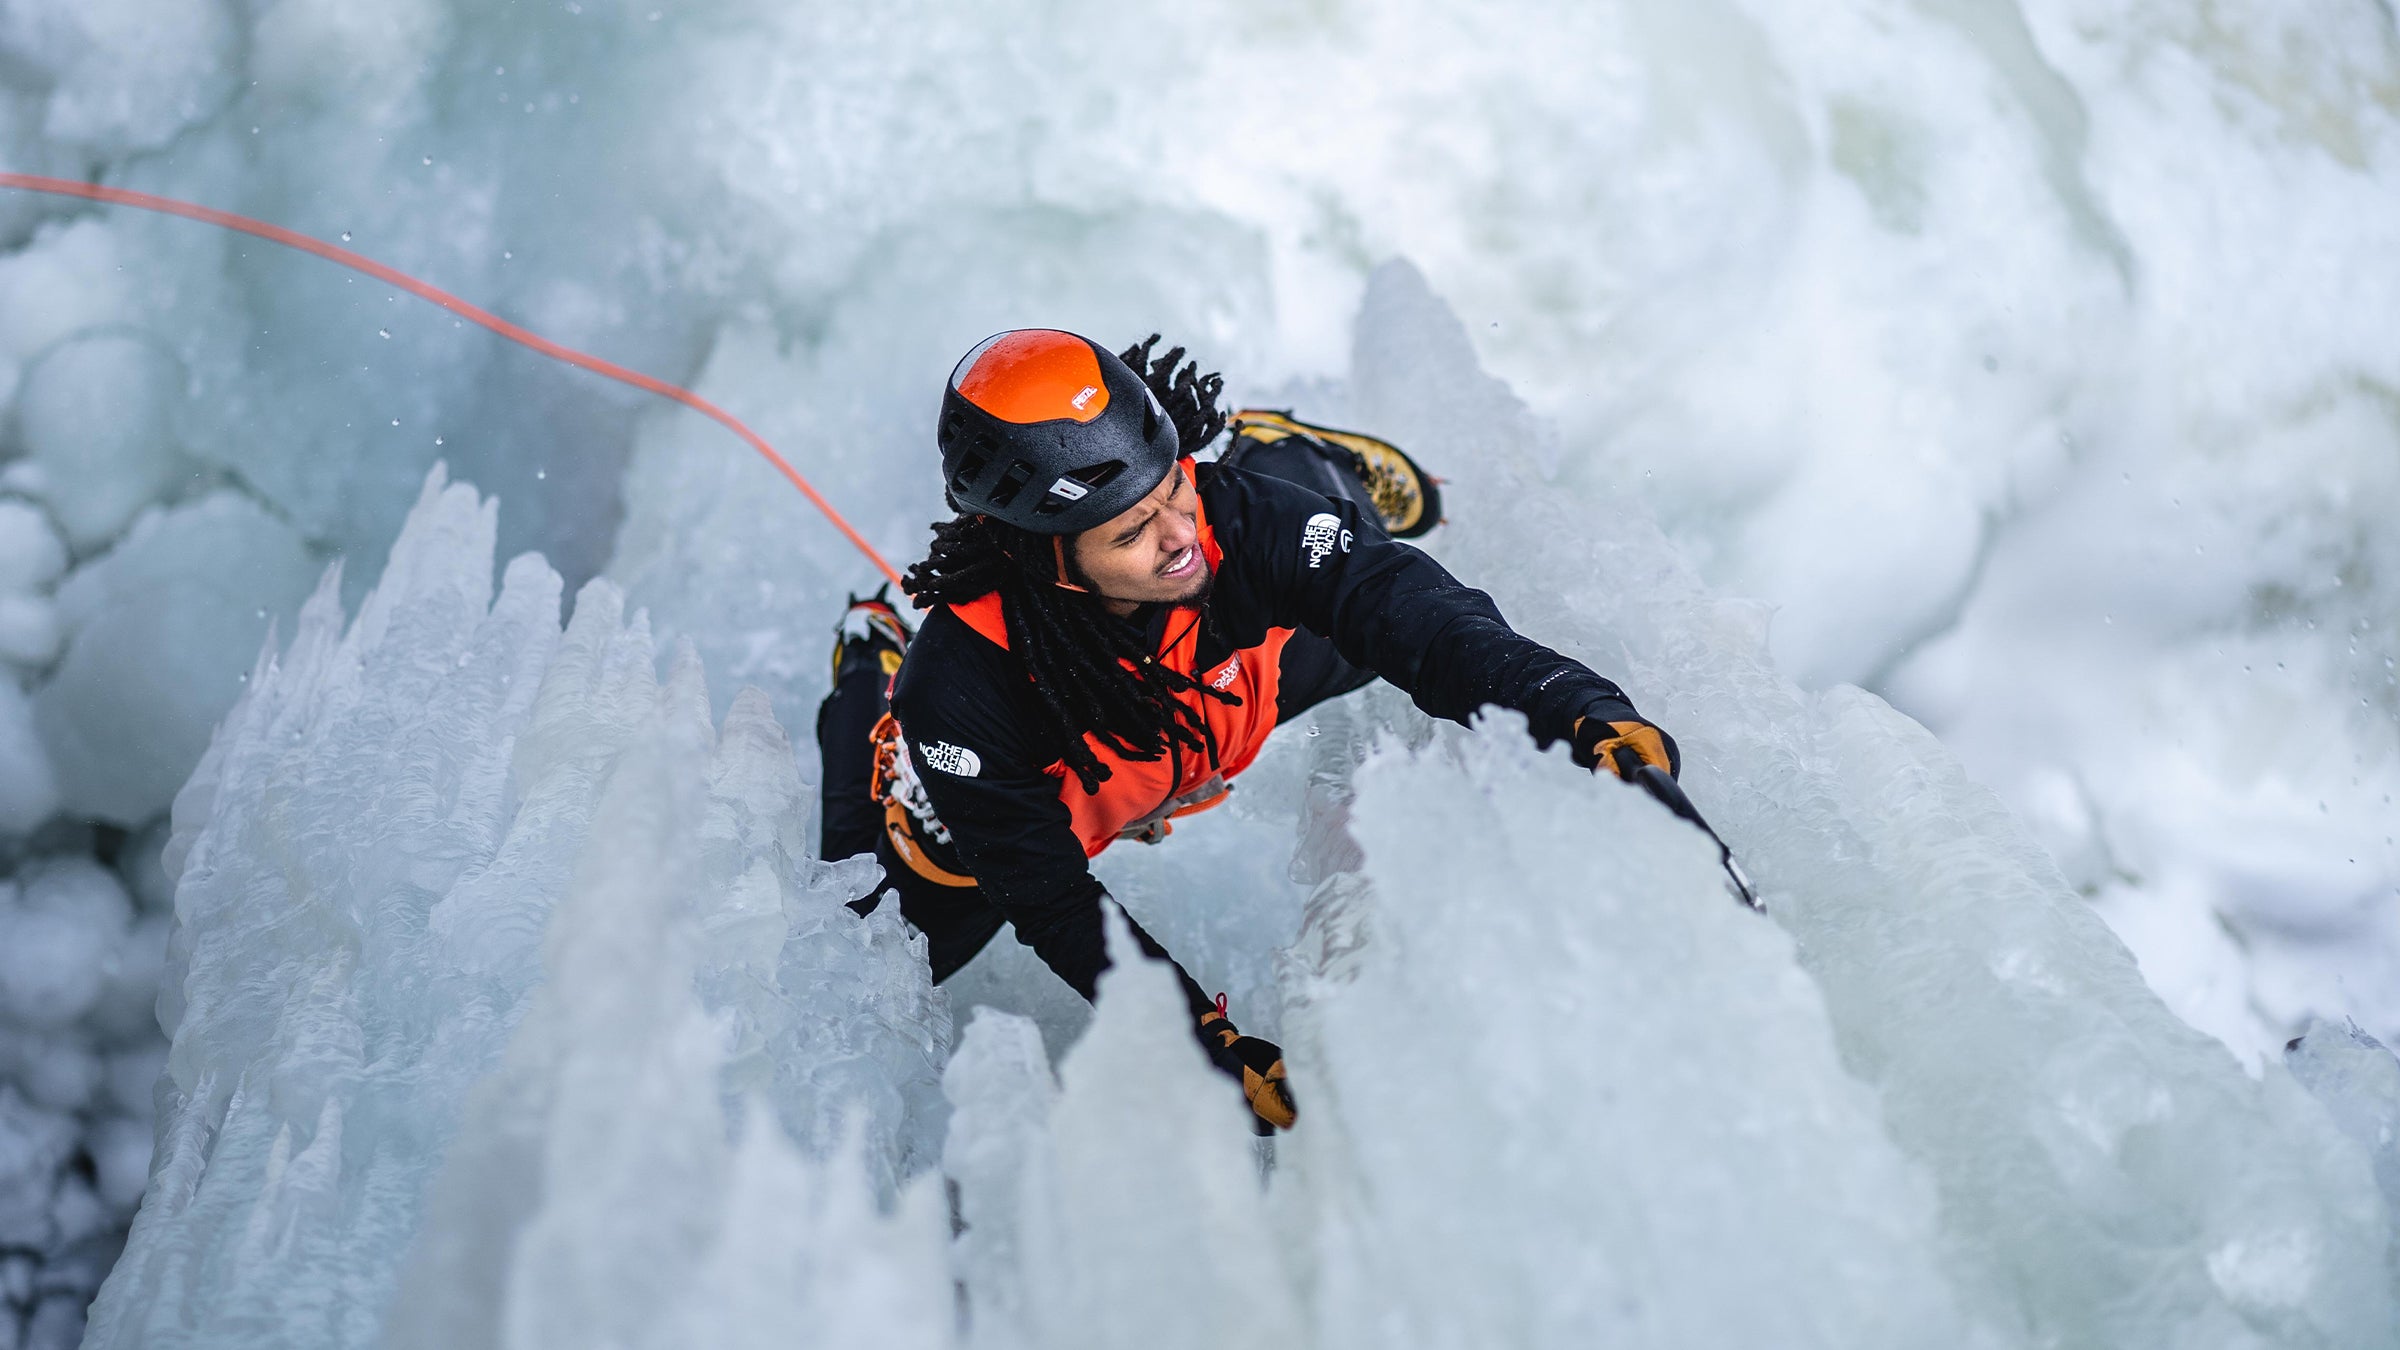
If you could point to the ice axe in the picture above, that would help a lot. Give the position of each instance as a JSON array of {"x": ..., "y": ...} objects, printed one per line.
[{"x": 1662, "y": 785}]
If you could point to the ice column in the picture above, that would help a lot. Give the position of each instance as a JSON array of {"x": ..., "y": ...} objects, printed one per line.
[{"x": 455, "y": 885}]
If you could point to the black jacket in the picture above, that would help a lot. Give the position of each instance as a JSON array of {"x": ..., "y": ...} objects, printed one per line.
[{"x": 1385, "y": 606}]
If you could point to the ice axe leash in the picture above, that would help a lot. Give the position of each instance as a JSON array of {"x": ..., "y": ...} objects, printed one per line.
[
  {"x": 356, "y": 262},
  {"x": 1662, "y": 785}
]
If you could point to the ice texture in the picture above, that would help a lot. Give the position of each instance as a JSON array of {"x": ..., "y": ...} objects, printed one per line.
[
  {"x": 28, "y": 785},
  {"x": 2029, "y": 361},
  {"x": 94, "y": 417},
  {"x": 510, "y": 1009},
  {"x": 158, "y": 633},
  {"x": 2028, "y": 357},
  {"x": 2357, "y": 1078},
  {"x": 452, "y": 884},
  {"x": 78, "y": 973}
]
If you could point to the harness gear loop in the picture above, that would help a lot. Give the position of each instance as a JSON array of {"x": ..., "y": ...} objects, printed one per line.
[{"x": 907, "y": 813}]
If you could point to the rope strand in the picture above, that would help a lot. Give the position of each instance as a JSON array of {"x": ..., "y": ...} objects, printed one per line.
[{"x": 277, "y": 234}]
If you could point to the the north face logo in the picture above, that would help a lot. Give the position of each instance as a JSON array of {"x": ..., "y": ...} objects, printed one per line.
[
  {"x": 1231, "y": 672},
  {"x": 1322, "y": 535},
  {"x": 955, "y": 760}
]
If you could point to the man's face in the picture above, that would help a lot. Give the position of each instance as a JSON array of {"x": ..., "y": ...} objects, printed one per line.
[{"x": 1150, "y": 553}]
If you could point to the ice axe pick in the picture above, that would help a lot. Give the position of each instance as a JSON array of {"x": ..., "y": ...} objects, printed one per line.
[{"x": 1669, "y": 793}]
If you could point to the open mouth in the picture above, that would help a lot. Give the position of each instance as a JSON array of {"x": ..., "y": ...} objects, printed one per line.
[{"x": 1182, "y": 564}]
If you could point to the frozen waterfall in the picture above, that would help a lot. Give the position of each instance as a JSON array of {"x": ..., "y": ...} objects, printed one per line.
[
  {"x": 513, "y": 1011},
  {"x": 2025, "y": 363}
]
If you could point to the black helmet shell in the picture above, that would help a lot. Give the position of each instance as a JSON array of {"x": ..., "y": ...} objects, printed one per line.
[{"x": 1050, "y": 432}]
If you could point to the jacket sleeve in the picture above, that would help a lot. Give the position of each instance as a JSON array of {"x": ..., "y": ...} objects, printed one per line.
[
  {"x": 1312, "y": 562},
  {"x": 1013, "y": 834}
]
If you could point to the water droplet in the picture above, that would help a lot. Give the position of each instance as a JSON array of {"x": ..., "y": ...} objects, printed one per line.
[
  {"x": 541, "y": 474},
  {"x": 384, "y": 333},
  {"x": 395, "y": 421},
  {"x": 345, "y": 236},
  {"x": 437, "y": 440},
  {"x": 499, "y": 70},
  {"x": 507, "y": 253},
  {"x": 428, "y": 161}
]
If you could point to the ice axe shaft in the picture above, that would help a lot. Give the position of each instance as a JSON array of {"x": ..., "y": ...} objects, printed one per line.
[{"x": 1662, "y": 785}]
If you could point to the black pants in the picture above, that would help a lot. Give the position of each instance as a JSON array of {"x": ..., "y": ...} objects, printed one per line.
[{"x": 957, "y": 920}]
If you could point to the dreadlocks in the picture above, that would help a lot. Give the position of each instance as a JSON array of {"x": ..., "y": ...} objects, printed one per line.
[{"x": 1077, "y": 652}]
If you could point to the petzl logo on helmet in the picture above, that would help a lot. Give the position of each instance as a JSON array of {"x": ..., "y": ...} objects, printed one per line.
[
  {"x": 1322, "y": 535},
  {"x": 1085, "y": 397},
  {"x": 955, "y": 760},
  {"x": 1070, "y": 489}
]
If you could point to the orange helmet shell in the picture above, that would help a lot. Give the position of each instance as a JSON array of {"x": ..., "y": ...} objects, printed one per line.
[{"x": 1035, "y": 375}]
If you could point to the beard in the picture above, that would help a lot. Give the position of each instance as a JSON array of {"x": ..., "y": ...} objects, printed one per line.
[{"x": 1203, "y": 586}]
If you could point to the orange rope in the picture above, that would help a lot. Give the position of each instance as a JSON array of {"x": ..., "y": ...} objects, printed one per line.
[{"x": 64, "y": 187}]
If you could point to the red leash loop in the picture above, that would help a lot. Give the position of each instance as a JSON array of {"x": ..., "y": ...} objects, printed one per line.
[{"x": 66, "y": 187}]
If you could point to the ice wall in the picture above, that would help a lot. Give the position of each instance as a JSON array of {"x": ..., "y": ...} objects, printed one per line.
[
  {"x": 445, "y": 880},
  {"x": 510, "y": 1009},
  {"x": 2027, "y": 356}
]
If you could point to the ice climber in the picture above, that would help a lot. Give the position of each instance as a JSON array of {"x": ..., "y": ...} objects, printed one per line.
[{"x": 1115, "y": 628}]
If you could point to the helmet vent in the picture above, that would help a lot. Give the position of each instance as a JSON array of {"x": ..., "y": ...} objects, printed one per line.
[
  {"x": 1011, "y": 483},
  {"x": 970, "y": 468}
]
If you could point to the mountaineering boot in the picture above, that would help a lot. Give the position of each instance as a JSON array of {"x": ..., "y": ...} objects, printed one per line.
[
  {"x": 871, "y": 635},
  {"x": 1375, "y": 474}
]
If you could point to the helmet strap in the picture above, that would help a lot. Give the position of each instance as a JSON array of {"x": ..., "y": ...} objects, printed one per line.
[{"x": 1058, "y": 550}]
